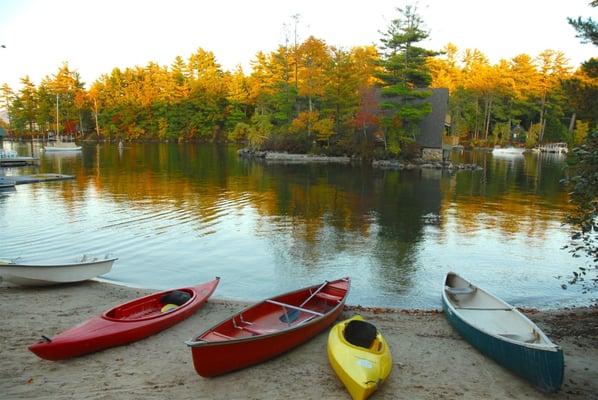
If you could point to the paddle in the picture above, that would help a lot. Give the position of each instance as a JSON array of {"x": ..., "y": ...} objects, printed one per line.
[{"x": 291, "y": 316}]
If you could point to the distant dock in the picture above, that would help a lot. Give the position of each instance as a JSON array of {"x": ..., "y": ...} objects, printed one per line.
[
  {"x": 20, "y": 180},
  {"x": 6, "y": 182},
  {"x": 17, "y": 161}
]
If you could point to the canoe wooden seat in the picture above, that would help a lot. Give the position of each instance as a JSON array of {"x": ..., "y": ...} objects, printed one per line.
[
  {"x": 328, "y": 297},
  {"x": 461, "y": 290},
  {"x": 221, "y": 335},
  {"x": 257, "y": 331}
]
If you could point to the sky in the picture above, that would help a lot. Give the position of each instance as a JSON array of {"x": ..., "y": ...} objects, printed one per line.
[{"x": 96, "y": 36}]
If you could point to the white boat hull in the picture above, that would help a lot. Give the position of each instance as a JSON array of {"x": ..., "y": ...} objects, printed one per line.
[
  {"x": 43, "y": 275},
  {"x": 74, "y": 148},
  {"x": 508, "y": 151}
]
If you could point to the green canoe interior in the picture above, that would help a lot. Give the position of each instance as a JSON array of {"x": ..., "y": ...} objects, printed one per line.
[{"x": 490, "y": 314}]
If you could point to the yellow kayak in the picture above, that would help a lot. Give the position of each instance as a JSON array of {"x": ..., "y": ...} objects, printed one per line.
[{"x": 359, "y": 355}]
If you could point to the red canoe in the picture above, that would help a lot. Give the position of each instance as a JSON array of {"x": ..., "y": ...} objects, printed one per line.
[
  {"x": 125, "y": 323},
  {"x": 269, "y": 328}
]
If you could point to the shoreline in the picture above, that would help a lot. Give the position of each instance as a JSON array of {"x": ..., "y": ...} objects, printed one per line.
[
  {"x": 430, "y": 359},
  {"x": 272, "y": 157}
]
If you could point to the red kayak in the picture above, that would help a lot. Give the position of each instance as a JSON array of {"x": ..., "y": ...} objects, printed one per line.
[
  {"x": 269, "y": 328},
  {"x": 126, "y": 323}
]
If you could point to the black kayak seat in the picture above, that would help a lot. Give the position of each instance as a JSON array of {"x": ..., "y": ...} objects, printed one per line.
[
  {"x": 360, "y": 333},
  {"x": 177, "y": 297}
]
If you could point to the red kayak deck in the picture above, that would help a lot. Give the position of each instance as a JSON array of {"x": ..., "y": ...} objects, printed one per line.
[
  {"x": 268, "y": 328},
  {"x": 123, "y": 324}
]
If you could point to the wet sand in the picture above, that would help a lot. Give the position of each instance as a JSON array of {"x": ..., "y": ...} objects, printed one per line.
[{"x": 431, "y": 361}]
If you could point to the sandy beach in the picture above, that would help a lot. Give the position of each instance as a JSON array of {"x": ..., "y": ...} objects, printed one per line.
[{"x": 431, "y": 361}]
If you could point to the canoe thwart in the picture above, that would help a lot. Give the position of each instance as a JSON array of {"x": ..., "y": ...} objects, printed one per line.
[
  {"x": 322, "y": 286},
  {"x": 294, "y": 307}
]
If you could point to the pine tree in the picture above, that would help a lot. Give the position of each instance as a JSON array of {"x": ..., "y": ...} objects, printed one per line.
[{"x": 405, "y": 78}]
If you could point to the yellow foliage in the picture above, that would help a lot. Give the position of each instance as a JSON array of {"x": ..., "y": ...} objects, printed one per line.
[
  {"x": 581, "y": 131},
  {"x": 324, "y": 129},
  {"x": 304, "y": 121}
]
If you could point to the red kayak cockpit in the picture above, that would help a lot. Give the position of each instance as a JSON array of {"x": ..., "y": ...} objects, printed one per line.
[{"x": 151, "y": 306}]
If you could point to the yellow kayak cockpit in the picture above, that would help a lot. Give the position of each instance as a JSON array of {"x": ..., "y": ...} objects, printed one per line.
[{"x": 359, "y": 355}]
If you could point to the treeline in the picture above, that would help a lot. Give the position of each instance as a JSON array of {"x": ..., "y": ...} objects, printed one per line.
[
  {"x": 534, "y": 99},
  {"x": 311, "y": 89},
  {"x": 311, "y": 96}
]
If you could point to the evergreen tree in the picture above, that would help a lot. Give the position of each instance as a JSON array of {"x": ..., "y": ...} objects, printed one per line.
[
  {"x": 587, "y": 29},
  {"x": 405, "y": 77}
]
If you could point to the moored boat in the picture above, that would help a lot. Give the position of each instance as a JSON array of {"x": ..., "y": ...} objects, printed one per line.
[
  {"x": 36, "y": 274},
  {"x": 268, "y": 328},
  {"x": 62, "y": 146},
  {"x": 508, "y": 151},
  {"x": 501, "y": 332},
  {"x": 126, "y": 323},
  {"x": 359, "y": 355}
]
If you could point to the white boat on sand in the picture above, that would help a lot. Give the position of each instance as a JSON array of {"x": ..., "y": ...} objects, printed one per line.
[{"x": 34, "y": 274}]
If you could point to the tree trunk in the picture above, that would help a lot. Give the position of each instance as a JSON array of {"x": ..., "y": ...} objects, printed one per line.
[
  {"x": 80, "y": 123},
  {"x": 309, "y": 119},
  {"x": 95, "y": 104},
  {"x": 542, "y": 118},
  {"x": 477, "y": 114},
  {"x": 572, "y": 122},
  {"x": 487, "y": 113}
]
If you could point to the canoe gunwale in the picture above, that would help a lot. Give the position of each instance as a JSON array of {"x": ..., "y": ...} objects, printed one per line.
[
  {"x": 178, "y": 310},
  {"x": 198, "y": 342},
  {"x": 550, "y": 346}
]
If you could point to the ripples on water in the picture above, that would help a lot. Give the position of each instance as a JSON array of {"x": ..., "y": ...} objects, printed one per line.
[{"x": 179, "y": 214}]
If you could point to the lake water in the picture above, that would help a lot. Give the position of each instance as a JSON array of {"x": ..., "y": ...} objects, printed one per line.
[{"x": 179, "y": 214}]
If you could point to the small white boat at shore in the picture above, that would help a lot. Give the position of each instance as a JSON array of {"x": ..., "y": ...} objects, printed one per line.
[
  {"x": 508, "y": 151},
  {"x": 34, "y": 274},
  {"x": 63, "y": 146}
]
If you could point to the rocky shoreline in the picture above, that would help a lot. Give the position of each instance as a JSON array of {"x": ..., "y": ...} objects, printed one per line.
[
  {"x": 290, "y": 158},
  {"x": 423, "y": 164}
]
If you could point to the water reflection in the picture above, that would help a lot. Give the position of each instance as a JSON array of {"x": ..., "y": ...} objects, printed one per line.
[{"x": 176, "y": 214}]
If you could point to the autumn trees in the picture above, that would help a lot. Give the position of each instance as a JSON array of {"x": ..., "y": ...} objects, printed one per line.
[{"x": 524, "y": 99}]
